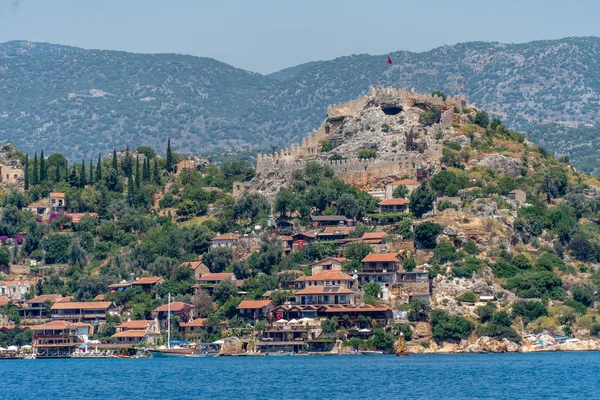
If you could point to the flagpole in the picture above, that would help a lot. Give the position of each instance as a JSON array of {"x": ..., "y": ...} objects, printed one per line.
[{"x": 169, "y": 323}]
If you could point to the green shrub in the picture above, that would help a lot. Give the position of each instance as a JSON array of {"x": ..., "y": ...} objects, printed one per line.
[
  {"x": 595, "y": 330},
  {"x": 579, "y": 308},
  {"x": 529, "y": 310},
  {"x": 430, "y": 117},
  {"x": 445, "y": 252},
  {"x": 584, "y": 294},
  {"x": 468, "y": 297},
  {"x": 449, "y": 328},
  {"x": 427, "y": 233},
  {"x": 367, "y": 154},
  {"x": 467, "y": 269},
  {"x": 536, "y": 284},
  {"x": 445, "y": 204}
]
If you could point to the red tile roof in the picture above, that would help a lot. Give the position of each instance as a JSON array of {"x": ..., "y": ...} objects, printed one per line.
[
  {"x": 328, "y": 261},
  {"x": 285, "y": 238},
  {"x": 324, "y": 290},
  {"x": 135, "y": 324},
  {"x": 53, "y": 298},
  {"x": 149, "y": 280},
  {"x": 100, "y": 297},
  {"x": 215, "y": 277},
  {"x": 76, "y": 217},
  {"x": 133, "y": 333},
  {"x": 175, "y": 306},
  {"x": 3, "y": 300},
  {"x": 339, "y": 229},
  {"x": 374, "y": 235},
  {"x": 291, "y": 272},
  {"x": 253, "y": 304},
  {"x": 356, "y": 308},
  {"x": 394, "y": 202},
  {"x": 194, "y": 264},
  {"x": 82, "y": 305},
  {"x": 384, "y": 257},
  {"x": 329, "y": 275},
  {"x": 58, "y": 195},
  {"x": 57, "y": 325},
  {"x": 199, "y": 322},
  {"x": 226, "y": 236}
]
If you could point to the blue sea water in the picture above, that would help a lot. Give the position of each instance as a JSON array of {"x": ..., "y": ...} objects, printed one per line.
[{"x": 473, "y": 376}]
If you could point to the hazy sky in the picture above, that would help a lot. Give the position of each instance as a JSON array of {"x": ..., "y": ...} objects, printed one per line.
[{"x": 268, "y": 35}]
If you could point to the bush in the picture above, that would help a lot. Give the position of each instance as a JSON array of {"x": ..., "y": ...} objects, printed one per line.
[
  {"x": 579, "y": 308},
  {"x": 427, "y": 233},
  {"x": 430, "y": 117},
  {"x": 419, "y": 311},
  {"x": 471, "y": 248},
  {"x": 372, "y": 289},
  {"x": 400, "y": 192},
  {"x": 486, "y": 312},
  {"x": 595, "y": 330},
  {"x": 548, "y": 261},
  {"x": 584, "y": 294},
  {"x": 467, "y": 269},
  {"x": 482, "y": 119},
  {"x": 536, "y": 284},
  {"x": 529, "y": 311},
  {"x": 445, "y": 204},
  {"x": 367, "y": 154},
  {"x": 504, "y": 269},
  {"x": 445, "y": 252},
  {"x": 421, "y": 200},
  {"x": 449, "y": 328},
  {"x": 409, "y": 264},
  {"x": 468, "y": 297}
]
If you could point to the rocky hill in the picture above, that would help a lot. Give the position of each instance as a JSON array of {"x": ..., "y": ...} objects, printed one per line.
[{"x": 84, "y": 101}]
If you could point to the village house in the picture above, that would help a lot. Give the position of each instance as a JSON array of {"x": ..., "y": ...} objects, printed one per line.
[
  {"x": 287, "y": 242},
  {"x": 209, "y": 281},
  {"x": 59, "y": 338},
  {"x": 335, "y": 233},
  {"x": 393, "y": 206},
  {"x": 518, "y": 195},
  {"x": 147, "y": 283},
  {"x": 58, "y": 203},
  {"x": 39, "y": 306},
  {"x": 11, "y": 175},
  {"x": 139, "y": 324},
  {"x": 183, "y": 310},
  {"x": 299, "y": 240},
  {"x": 134, "y": 337},
  {"x": 228, "y": 240},
  {"x": 198, "y": 267},
  {"x": 118, "y": 287},
  {"x": 328, "y": 264},
  {"x": 374, "y": 237},
  {"x": 284, "y": 339},
  {"x": 94, "y": 312},
  {"x": 414, "y": 284},
  {"x": 184, "y": 164},
  {"x": 409, "y": 183},
  {"x": 15, "y": 290},
  {"x": 380, "y": 268},
  {"x": 250, "y": 310},
  {"x": 329, "y": 220},
  {"x": 284, "y": 224},
  {"x": 333, "y": 278},
  {"x": 192, "y": 327},
  {"x": 318, "y": 295}
]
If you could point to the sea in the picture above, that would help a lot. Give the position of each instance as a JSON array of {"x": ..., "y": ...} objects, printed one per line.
[{"x": 464, "y": 376}]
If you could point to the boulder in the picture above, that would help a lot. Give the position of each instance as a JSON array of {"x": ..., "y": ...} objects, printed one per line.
[
  {"x": 502, "y": 164},
  {"x": 449, "y": 231},
  {"x": 232, "y": 345},
  {"x": 461, "y": 140}
]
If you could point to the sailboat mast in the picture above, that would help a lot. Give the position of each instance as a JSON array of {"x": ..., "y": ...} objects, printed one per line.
[{"x": 169, "y": 322}]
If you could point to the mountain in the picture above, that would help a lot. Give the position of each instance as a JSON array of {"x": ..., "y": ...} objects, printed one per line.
[{"x": 82, "y": 102}]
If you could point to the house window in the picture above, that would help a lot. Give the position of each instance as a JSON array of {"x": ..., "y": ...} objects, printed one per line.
[
  {"x": 342, "y": 299},
  {"x": 325, "y": 299}
]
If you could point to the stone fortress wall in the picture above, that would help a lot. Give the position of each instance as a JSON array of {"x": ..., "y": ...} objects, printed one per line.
[{"x": 295, "y": 157}]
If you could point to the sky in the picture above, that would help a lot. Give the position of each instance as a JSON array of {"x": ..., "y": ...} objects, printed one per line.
[{"x": 268, "y": 35}]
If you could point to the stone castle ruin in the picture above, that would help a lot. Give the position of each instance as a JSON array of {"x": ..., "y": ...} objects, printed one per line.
[{"x": 386, "y": 122}]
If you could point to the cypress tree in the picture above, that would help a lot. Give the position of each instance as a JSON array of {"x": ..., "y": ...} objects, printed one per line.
[
  {"x": 91, "y": 179},
  {"x": 57, "y": 177},
  {"x": 82, "y": 177},
  {"x": 138, "y": 177},
  {"x": 148, "y": 171},
  {"x": 35, "y": 179},
  {"x": 66, "y": 170},
  {"x": 115, "y": 163},
  {"x": 43, "y": 175},
  {"x": 72, "y": 177},
  {"x": 99, "y": 169},
  {"x": 169, "y": 165},
  {"x": 156, "y": 173},
  {"x": 127, "y": 163},
  {"x": 26, "y": 172}
]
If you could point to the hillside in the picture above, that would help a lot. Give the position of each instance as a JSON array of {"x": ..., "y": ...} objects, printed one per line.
[
  {"x": 415, "y": 202},
  {"x": 85, "y": 101}
]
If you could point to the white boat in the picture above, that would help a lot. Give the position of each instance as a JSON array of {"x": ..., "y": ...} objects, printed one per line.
[
  {"x": 280, "y": 354},
  {"x": 371, "y": 353}
]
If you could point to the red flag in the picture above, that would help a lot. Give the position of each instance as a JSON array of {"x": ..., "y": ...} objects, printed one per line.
[{"x": 389, "y": 60}]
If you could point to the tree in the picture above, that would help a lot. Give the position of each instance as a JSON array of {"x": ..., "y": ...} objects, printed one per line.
[
  {"x": 56, "y": 246},
  {"x": 584, "y": 294},
  {"x": 57, "y": 177},
  {"x": 449, "y": 328},
  {"x": 91, "y": 179},
  {"x": 169, "y": 163},
  {"x": 482, "y": 119},
  {"x": 529, "y": 310},
  {"x": 156, "y": 175},
  {"x": 409, "y": 264},
  {"x": 286, "y": 201},
  {"x": 138, "y": 174},
  {"x": 43, "y": 174},
  {"x": 4, "y": 256},
  {"x": 35, "y": 179},
  {"x": 203, "y": 304},
  {"x": 431, "y": 116},
  {"x": 115, "y": 161},
  {"x": 26, "y": 172},
  {"x": 426, "y": 233},
  {"x": 372, "y": 289},
  {"x": 329, "y": 326},
  {"x": 400, "y": 192},
  {"x": 82, "y": 175},
  {"x": 421, "y": 200},
  {"x": 486, "y": 312},
  {"x": 99, "y": 168},
  {"x": 357, "y": 251},
  {"x": 419, "y": 310},
  {"x": 383, "y": 341},
  {"x": 554, "y": 183},
  {"x": 224, "y": 290},
  {"x": 348, "y": 205},
  {"x": 218, "y": 259}
]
